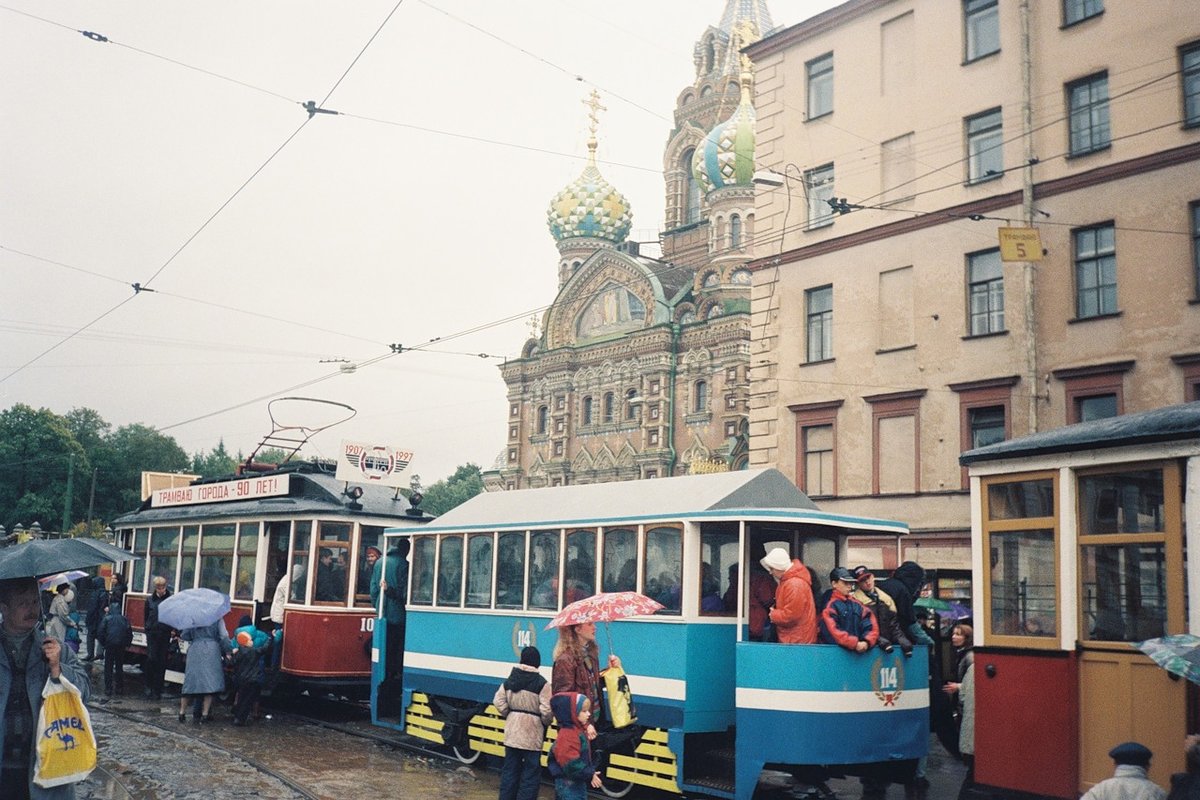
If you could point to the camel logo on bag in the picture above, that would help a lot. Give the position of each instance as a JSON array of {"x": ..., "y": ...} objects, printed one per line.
[
  {"x": 887, "y": 681},
  {"x": 68, "y": 741}
]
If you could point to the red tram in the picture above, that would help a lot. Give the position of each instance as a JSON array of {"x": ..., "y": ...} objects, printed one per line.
[{"x": 241, "y": 535}]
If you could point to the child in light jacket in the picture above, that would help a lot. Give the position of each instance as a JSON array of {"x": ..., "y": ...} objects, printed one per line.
[{"x": 524, "y": 702}]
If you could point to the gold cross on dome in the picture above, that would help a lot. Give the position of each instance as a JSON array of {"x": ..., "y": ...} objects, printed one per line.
[{"x": 593, "y": 103}]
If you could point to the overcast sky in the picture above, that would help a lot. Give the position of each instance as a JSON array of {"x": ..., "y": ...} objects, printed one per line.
[{"x": 417, "y": 213}]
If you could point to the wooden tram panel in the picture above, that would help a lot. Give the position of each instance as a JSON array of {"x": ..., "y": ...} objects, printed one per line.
[{"x": 324, "y": 643}]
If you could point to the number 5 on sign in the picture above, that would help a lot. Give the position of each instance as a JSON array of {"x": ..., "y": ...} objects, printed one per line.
[{"x": 1020, "y": 244}]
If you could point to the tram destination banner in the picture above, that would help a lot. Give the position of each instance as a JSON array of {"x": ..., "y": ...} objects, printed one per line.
[
  {"x": 361, "y": 461},
  {"x": 222, "y": 492}
]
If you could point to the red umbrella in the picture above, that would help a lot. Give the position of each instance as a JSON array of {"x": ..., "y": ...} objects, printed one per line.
[{"x": 605, "y": 607}]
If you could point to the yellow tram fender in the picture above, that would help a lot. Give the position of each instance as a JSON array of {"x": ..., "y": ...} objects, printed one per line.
[{"x": 619, "y": 699}]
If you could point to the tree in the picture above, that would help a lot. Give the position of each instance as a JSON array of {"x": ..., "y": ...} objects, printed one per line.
[
  {"x": 35, "y": 452},
  {"x": 215, "y": 463},
  {"x": 465, "y": 483},
  {"x": 137, "y": 448}
]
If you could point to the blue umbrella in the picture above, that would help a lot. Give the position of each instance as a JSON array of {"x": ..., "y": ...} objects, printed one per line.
[
  {"x": 1178, "y": 654},
  {"x": 49, "y": 556},
  {"x": 193, "y": 608}
]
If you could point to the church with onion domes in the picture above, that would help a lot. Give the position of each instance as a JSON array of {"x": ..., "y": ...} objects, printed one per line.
[{"x": 640, "y": 368}]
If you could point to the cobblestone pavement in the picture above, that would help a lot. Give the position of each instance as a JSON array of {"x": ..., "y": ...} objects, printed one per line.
[{"x": 146, "y": 753}]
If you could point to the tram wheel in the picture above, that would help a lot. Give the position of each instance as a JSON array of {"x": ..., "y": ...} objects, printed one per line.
[
  {"x": 465, "y": 753},
  {"x": 613, "y": 788}
]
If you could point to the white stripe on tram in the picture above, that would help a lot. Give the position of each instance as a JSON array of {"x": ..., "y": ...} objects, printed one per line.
[{"x": 828, "y": 702}]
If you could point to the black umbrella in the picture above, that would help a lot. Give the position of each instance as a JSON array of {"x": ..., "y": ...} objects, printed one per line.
[{"x": 48, "y": 556}]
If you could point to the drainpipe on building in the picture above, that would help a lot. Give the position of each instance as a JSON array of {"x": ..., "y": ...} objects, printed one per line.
[
  {"x": 671, "y": 418},
  {"x": 1028, "y": 268}
]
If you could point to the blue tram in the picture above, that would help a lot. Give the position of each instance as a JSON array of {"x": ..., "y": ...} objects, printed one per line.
[{"x": 714, "y": 708}]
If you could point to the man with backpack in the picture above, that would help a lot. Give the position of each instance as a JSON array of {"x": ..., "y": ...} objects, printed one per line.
[{"x": 116, "y": 634}]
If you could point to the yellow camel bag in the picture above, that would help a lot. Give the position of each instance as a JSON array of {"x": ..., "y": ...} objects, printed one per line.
[
  {"x": 66, "y": 746},
  {"x": 621, "y": 711}
]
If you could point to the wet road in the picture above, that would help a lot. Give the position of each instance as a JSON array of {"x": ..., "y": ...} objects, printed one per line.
[{"x": 146, "y": 753}]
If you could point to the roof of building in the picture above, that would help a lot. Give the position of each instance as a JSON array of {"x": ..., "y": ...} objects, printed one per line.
[
  {"x": 688, "y": 497},
  {"x": 1173, "y": 423}
]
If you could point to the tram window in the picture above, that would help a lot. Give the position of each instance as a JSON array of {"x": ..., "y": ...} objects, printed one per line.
[
  {"x": 1127, "y": 502},
  {"x": 216, "y": 557},
  {"x": 620, "y": 561},
  {"x": 369, "y": 536},
  {"x": 301, "y": 536},
  {"x": 820, "y": 554},
  {"x": 247, "y": 561},
  {"x": 718, "y": 567},
  {"x": 580, "y": 562},
  {"x": 1124, "y": 591},
  {"x": 450, "y": 571},
  {"x": 278, "y": 535},
  {"x": 187, "y": 561},
  {"x": 510, "y": 570},
  {"x": 543, "y": 570},
  {"x": 422, "y": 569},
  {"x": 333, "y": 562},
  {"x": 479, "y": 570},
  {"x": 1023, "y": 583},
  {"x": 141, "y": 541},
  {"x": 664, "y": 575},
  {"x": 164, "y": 550}
]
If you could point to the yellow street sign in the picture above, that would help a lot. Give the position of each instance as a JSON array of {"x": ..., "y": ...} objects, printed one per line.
[{"x": 1020, "y": 244}]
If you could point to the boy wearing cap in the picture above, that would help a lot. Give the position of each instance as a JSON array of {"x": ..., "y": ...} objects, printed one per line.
[
  {"x": 794, "y": 614},
  {"x": 884, "y": 608},
  {"x": 845, "y": 621},
  {"x": 1129, "y": 781}
]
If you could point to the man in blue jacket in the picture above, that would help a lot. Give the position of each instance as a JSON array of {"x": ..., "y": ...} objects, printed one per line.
[{"x": 28, "y": 657}]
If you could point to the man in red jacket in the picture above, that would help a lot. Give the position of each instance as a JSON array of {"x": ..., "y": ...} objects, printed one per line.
[{"x": 794, "y": 614}]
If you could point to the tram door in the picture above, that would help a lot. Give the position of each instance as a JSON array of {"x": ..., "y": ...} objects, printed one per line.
[
  {"x": 278, "y": 534},
  {"x": 1131, "y": 577}
]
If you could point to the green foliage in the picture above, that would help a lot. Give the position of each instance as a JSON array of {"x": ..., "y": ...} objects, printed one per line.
[
  {"x": 215, "y": 463},
  {"x": 465, "y": 483}
]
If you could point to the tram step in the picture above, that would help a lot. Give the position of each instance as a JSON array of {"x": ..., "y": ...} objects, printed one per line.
[{"x": 723, "y": 785}]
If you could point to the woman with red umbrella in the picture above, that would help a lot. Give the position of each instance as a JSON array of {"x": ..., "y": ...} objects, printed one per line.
[{"x": 577, "y": 665}]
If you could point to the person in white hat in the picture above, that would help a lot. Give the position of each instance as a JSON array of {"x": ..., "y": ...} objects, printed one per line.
[{"x": 795, "y": 614}]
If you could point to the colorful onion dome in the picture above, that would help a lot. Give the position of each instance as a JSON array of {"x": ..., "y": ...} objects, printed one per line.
[
  {"x": 590, "y": 206},
  {"x": 726, "y": 156}
]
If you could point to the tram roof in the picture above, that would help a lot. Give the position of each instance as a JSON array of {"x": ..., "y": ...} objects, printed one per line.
[
  {"x": 1170, "y": 424},
  {"x": 765, "y": 493},
  {"x": 312, "y": 493}
]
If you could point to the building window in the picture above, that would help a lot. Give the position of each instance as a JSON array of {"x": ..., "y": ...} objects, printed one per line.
[
  {"x": 985, "y": 140},
  {"x": 1195, "y": 208},
  {"x": 984, "y": 414},
  {"x": 1095, "y": 272},
  {"x": 514, "y": 409},
  {"x": 654, "y": 411},
  {"x": 651, "y": 474},
  {"x": 560, "y": 403},
  {"x": 691, "y": 190},
  {"x": 542, "y": 418},
  {"x": 819, "y": 308},
  {"x": 1190, "y": 70},
  {"x": 608, "y": 407},
  {"x": 653, "y": 438},
  {"x": 512, "y": 431},
  {"x": 735, "y": 232},
  {"x": 730, "y": 401},
  {"x": 1079, "y": 10},
  {"x": 820, "y": 86},
  {"x": 896, "y": 430},
  {"x": 730, "y": 428},
  {"x": 816, "y": 459},
  {"x": 1095, "y": 392},
  {"x": 654, "y": 387},
  {"x": 511, "y": 486},
  {"x": 701, "y": 397},
  {"x": 587, "y": 411},
  {"x": 981, "y": 23},
  {"x": 731, "y": 374},
  {"x": 985, "y": 293},
  {"x": 1087, "y": 101},
  {"x": 1189, "y": 365},
  {"x": 558, "y": 448},
  {"x": 512, "y": 455},
  {"x": 560, "y": 425},
  {"x": 818, "y": 188},
  {"x": 631, "y": 405}
]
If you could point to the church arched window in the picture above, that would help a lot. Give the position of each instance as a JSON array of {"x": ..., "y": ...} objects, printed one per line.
[
  {"x": 735, "y": 232},
  {"x": 701, "y": 397},
  {"x": 587, "y": 411},
  {"x": 631, "y": 404},
  {"x": 543, "y": 419},
  {"x": 608, "y": 407},
  {"x": 711, "y": 280},
  {"x": 691, "y": 190}
]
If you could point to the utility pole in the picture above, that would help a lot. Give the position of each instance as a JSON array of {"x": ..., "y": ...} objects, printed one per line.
[
  {"x": 92, "y": 497},
  {"x": 66, "y": 523},
  {"x": 1028, "y": 268}
]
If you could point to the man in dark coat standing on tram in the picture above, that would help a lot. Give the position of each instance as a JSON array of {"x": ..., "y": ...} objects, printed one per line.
[
  {"x": 392, "y": 583},
  {"x": 158, "y": 637}
]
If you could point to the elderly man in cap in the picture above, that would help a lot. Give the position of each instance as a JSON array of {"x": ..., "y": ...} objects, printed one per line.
[
  {"x": 884, "y": 608},
  {"x": 795, "y": 613},
  {"x": 1129, "y": 781}
]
